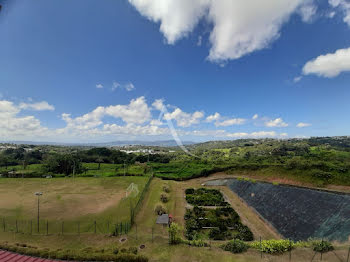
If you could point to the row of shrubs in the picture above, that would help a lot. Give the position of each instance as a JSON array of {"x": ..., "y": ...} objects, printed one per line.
[
  {"x": 86, "y": 254},
  {"x": 205, "y": 197},
  {"x": 276, "y": 246},
  {"x": 164, "y": 198},
  {"x": 225, "y": 223}
]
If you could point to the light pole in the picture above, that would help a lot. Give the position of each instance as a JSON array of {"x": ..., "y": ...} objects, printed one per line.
[{"x": 38, "y": 194}]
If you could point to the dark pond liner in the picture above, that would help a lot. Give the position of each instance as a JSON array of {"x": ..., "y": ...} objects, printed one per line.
[{"x": 298, "y": 213}]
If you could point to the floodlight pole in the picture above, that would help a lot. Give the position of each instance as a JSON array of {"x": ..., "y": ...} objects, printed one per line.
[{"x": 38, "y": 194}]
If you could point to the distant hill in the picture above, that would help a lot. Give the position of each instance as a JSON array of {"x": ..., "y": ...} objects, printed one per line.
[{"x": 161, "y": 143}]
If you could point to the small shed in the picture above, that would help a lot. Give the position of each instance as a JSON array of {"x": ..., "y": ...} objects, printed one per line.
[{"x": 163, "y": 219}]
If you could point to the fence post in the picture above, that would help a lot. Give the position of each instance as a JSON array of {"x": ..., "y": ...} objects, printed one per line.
[{"x": 290, "y": 250}]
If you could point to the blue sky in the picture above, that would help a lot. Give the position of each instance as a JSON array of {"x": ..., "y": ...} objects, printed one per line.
[{"x": 104, "y": 70}]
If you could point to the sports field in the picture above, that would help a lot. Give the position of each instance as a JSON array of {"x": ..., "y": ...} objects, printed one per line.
[{"x": 68, "y": 199}]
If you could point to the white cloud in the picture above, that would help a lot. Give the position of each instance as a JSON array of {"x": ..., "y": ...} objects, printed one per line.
[
  {"x": 231, "y": 122},
  {"x": 256, "y": 116},
  {"x": 136, "y": 130},
  {"x": 253, "y": 134},
  {"x": 136, "y": 112},
  {"x": 307, "y": 12},
  {"x": 199, "y": 41},
  {"x": 99, "y": 86},
  {"x": 297, "y": 79},
  {"x": 14, "y": 127},
  {"x": 224, "y": 134},
  {"x": 301, "y": 124},
  {"x": 331, "y": 14},
  {"x": 177, "y": 18},
  {"x": 239, "y": 27},
  {"x": 329, "y": 65},
  {"x": 115, "y": 85},
  {"x": 39, "y": 106},
  {"x": 184, "y": 119},
  {"x": 214, "y": 117},
  {"x": 128, "y": 86},
  {"x": 344, "y": 6},
  {"x": 158, "y": 104},
  {"x": 278, "y": 122}
]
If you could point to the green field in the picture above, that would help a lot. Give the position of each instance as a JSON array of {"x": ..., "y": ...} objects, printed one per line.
[{"x": 67, "y": 200}]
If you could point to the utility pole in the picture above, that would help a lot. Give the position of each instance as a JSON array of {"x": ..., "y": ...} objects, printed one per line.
[{"x": 38, "y": 194}]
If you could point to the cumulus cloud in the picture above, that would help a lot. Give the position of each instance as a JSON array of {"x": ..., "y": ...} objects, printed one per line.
[
  {"x": 231, "y": 122},
  {"x": 136, "y": 112},
  {"x": 13, "y": 126},
  {"x": 253, "y": 134},
  {"x": 239, "y": 27},
  {"x": 220, "y": 133},
  {"x": 329, "y": 65},
  {"x": 184, "y": 119},
  {"x": 39, "y": 106},
  {"x": 301, "y": 124},
  {"x": 256, "y": 116},
  {"x": 177, "y": 18},
  {"x": 278, "y": 122},
  {"x": 242, "y": 27},
  {"x": 99, "y": 86},
  {"x": 214, "y": 117}
]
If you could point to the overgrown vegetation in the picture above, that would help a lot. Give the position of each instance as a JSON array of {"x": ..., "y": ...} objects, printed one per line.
[
  {"x": 86, "y": 254},
  {"x": 205, "y": 197},
  {"x": 273, "y": 246},
  {"x": 235, "y": 246},
  {"x": 222, "y": 223}
]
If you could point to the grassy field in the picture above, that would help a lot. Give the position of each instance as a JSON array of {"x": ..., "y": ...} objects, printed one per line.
[
  {"x": 156, "y": 244},
  {"x": 68, "y": 200}
]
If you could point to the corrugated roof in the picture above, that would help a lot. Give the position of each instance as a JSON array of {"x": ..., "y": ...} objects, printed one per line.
[{"x": 163, "y": 219}]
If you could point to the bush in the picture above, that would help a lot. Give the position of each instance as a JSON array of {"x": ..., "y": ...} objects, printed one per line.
[
  {"x": 160, "y": 210},
  {"x": 164, "y": 198},
  {"x": 325, "y": 176},
  {"x": 116, "y": 251},
  {"x": 133, "y": 250},
  {"x": 235, "y": 246},
  {"x": 273, "y": 246},
  {"x": 196, "y": 243},
  {"x": 220, "y": 234},
  {"x": 174, "y": 234},
  {"x": 244, "y": 233},
  {"x": 166, "y": 189},
  {"x": 189, "y": 191},
  {"x": 322, "y": 246}
]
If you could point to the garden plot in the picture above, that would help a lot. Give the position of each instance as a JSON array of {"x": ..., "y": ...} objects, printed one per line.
[{"x": 218, "y": 223}]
